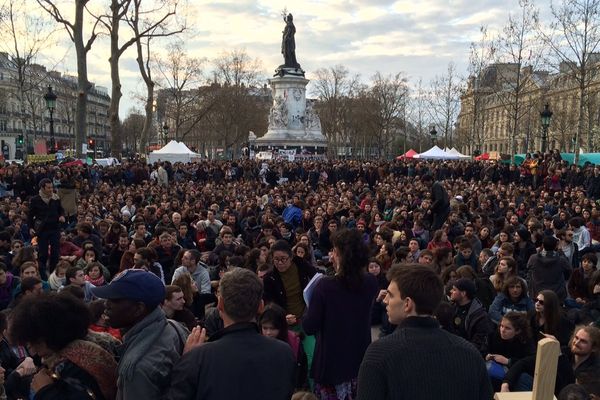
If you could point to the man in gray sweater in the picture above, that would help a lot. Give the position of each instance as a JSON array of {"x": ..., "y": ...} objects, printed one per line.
[{"x": 420, "y": 360}]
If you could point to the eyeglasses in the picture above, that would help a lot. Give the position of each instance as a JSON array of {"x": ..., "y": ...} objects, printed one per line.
[
  {"x": 539, "y": 301},
  {"x": 280, "y": 259}
]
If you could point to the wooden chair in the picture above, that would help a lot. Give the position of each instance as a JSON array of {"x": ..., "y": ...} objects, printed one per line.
[{"x": 544, "y": 379}]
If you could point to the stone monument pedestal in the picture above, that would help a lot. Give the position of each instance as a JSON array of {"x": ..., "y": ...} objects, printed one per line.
[{"x": 293, "y": 123}]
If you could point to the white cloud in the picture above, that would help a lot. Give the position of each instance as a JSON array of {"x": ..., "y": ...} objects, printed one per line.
[{"x": 418, "y": 38}]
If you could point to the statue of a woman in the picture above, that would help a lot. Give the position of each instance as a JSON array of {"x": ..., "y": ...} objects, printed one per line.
[{"x": 288, "y": 43}]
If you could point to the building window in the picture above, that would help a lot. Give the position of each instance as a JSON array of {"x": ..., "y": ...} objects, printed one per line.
[{"x": 3, "y": 126}]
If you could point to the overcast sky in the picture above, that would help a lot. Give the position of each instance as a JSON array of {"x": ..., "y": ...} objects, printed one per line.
[{"x": 418, "y": 38}]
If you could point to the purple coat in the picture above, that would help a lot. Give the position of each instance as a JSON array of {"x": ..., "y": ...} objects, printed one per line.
[{"x": 341, "y": 320}]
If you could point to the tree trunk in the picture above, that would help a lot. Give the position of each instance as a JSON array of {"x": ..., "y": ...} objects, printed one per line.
[
  {"x": 115, "y": 98},
  {"x": 147, "y": 77},
  {"x": 580, "y": 121},
  {"x": 83, "y": 84}
]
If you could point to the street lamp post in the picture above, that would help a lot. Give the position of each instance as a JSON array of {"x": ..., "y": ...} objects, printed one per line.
[
  {"x": 433, "y": 134},
  {"x": 165, "y": 129},
  {"x": 50, "y": 98},
  {"x": 545, "y": 116}
]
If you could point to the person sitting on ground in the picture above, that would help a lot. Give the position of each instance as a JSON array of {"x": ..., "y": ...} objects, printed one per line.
[
  {"x": 513, "y": 298},
  {"x": 54, "y": 326},
  {"x": 471, "y": 321},
  {"x": 508, "y": 344},
  {"x": 76, "y": 277},
  {"x": 57, "y": 277},
  {"x": 174, "y": 307},
  {"x": 579, "y": 282},
  {"x": 93, "y": 274}
]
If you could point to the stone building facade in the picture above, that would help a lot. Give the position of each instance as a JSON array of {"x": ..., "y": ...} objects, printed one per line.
[
  {"x": 502, "y": 97},
  {"x": 24, "y": 113}
]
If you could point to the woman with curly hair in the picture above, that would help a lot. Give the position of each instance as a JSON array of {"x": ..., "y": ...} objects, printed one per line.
[
  {"x": 339, "y": 313},
  {"x": 54, "y": 327}
]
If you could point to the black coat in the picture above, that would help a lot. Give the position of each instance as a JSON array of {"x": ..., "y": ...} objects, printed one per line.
[
  {"x": 47, "y": 214},
  {"x": 237, "y": 363},
  {"x": 274, "y": 290},
  {"x": 74, "y": 384}
]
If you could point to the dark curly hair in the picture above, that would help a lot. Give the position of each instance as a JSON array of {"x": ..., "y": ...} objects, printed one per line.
[{"x": 54, "y": 319}]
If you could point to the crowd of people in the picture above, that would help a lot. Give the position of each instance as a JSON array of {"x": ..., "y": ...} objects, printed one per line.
[{"x": 266, "y": 280}]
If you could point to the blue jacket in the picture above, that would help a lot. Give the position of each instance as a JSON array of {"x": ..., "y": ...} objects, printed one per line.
[
  {"x": 292, "y": 215},
  {"x": 502, "y": 304}
]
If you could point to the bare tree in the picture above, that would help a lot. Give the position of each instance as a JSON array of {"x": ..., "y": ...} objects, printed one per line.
[
  {"x": 518, "y": 46},
  {"x": 444, "y": 102},
  {"x": 74, "y": 29},
  {"x": 152, "y": 21},
  {"x": 574, "y": 40},
  {"x": 417, "y": 114},
  {"x": 238, "y": 103},
  {"x": 335, "y": 88},
  {"x": 472, "y": 101},
  {"x": 181, "y": 79},
  {"x": 132, "y": 131},
  {"x": 27, "y": 33},
  {"x": 389, "y": 98}
]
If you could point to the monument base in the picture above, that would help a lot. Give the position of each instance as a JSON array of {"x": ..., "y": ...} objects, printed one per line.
[{"x": 300, "y": 145}]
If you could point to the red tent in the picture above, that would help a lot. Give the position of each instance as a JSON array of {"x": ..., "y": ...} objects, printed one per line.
[
  {"x": 409, "y": 154},
  {"x": 73, "y": 163},
  {"x": 484, "y": 156}
]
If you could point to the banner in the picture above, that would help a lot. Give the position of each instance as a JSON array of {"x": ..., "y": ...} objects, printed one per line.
[{"x": 40, "y": 158}]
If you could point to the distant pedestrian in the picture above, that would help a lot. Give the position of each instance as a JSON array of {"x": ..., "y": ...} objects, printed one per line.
[{"x": 440, "y": 206}]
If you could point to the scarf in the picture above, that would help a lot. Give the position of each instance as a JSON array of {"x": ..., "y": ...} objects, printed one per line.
[
  {"x": 55, "y": 282},
  {"x": 96, "y": 282},
  {"x": 138, "y": 341},
  {"x": 92, "y": 359},
  {"x": 47, "y": 199}
]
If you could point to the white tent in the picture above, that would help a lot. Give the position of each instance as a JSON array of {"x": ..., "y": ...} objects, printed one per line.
[
  {"x": 457, "y": 153},
  {"x": 435, "y": 153},
  {"x": 174, "y": 152}
]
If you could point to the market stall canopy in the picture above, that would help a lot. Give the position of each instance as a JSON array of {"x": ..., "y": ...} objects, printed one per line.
[
  {"x": 409, "y": 154},
  {"x": 174, "y": 152},
  {"x": 435, "y": 153},
  {"x": 458, "y": 154}
]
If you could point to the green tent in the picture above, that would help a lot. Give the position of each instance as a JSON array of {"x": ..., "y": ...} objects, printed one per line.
[{"x": 593, "y": 158}]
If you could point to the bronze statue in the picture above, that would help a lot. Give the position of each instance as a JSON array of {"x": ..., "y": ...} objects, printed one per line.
[{"x": 288, "y": 43}]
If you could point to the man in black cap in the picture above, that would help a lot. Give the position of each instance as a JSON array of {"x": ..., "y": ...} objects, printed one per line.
[
  {"x": 471, "y": 321},
  {"x": 151, "y": 344}
]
